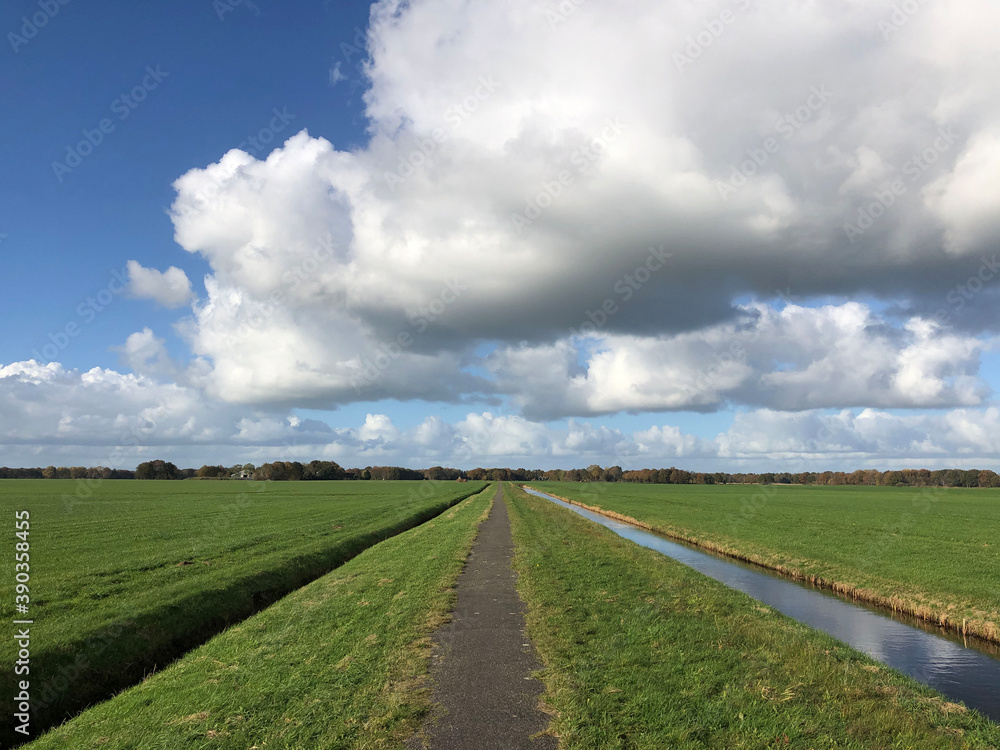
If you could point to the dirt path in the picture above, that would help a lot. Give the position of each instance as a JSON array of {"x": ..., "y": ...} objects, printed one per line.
[{"x": 482, "y": 661}]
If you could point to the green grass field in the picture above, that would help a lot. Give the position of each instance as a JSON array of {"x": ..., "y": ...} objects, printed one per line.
[
  {"x": 130, "y": 578},
  {"x": 642, "y": 652},
  {"x": 340, "y": 663},
  {"x": 934, "y": 553}
]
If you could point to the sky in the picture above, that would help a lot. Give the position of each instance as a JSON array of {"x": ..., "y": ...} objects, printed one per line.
[{"x": 725, "y": 235}]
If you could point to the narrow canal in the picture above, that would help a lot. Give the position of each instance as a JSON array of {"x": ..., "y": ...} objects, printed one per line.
[{"x": 961, "y": 669}]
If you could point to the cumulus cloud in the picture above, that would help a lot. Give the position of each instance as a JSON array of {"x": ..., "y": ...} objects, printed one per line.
[
  {"x": 170, "y": 288},
  {"x": 966, "y": 200},
  {"x": 146, "y": 354},
  {"x": 105, "y": 417},
  {"x": 515, "y": 183},
  {"x": 675, "y": 223},
  {"x": 871, "y": 437},
  {"x": 796, "y": 358}
]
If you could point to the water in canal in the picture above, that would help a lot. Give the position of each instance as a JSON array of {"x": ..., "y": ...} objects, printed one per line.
[{"x": 965, "y": 670}]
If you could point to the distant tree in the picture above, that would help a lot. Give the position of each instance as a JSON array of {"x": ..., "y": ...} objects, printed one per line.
[
  {"x": 157, "y": 469},
  {"x": 272, "y": 472},
  {"x": 988, "y": 478},
  {"x": 679, "y": 476},
  {"x": 442, "y": 474},
  {"x": 99, "y": 472},
  {"x": 323, "y": 470},
  {"x": 893, "y": 479}
]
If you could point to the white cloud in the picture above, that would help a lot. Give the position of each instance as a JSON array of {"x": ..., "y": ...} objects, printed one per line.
[
  {"x": 170, "y": 288},
  {"x": 336, "y": 75},
  {"x": 511, "y": 192},
  {"x": 797, "y": 358},
  {"x": 868, "y": 437},
  {"x": 105, "y": 417},
  {"x": 966, "y": 199},
  {"x": 145, "y": 354},
  {"x": 322, "y": 259},
  {"x": 378, "y": 428}
]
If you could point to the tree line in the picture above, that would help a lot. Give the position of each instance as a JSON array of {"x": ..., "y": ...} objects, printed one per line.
[{"x": 279, "y": 471}]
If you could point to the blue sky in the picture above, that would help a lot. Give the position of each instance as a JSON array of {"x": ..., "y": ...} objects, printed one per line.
[
  {"x": 224, "y": 78},
  {"x": 766, "y": 337}
]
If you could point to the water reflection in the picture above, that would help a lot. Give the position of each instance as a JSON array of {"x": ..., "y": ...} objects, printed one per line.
[{"x": 961, "y": 669}]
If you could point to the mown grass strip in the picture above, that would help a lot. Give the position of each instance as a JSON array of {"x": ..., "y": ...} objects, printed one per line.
[
  {"x": 642, "y": 652},
  {"x": 144, "y": 571},
  {"x": 928, "y": 552},
  {"x": 340, "y": 663}
]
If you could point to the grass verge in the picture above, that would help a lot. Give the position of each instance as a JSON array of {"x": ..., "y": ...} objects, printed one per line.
[
  {"x": 142, "y": 572},
  {"x": 642, "y": 652},
  {"x": 929, "y": 552},
  {"x": 340, "y": 663}
]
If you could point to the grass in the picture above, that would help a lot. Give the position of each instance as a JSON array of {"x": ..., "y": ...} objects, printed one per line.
[
  {"x": 128, "y": 579},
  {"x": 933, "y": 553},
  {"x": 642, "y": 652},
  {"x": 339, "y": 663}
]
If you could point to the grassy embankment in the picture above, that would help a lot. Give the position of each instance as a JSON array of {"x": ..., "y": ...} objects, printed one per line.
[
  {"x": 642, "y": 652},
  {"x": 131, "y": 577},
  {"x": 339, "y": 663},
  {"x": 933, "y": 553}
]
